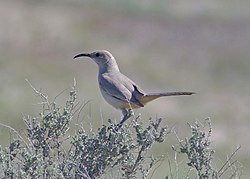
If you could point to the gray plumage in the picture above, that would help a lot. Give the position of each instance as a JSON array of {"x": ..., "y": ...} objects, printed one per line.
[{"x": 117, "y": 89}]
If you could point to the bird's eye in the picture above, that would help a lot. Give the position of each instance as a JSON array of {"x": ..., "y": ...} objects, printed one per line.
[{"x": 97, "y": 54}]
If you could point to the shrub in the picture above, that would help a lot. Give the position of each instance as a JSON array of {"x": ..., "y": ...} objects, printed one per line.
[
  {"x": 200, "y": 154},
  {"x": 46, "y": 150}
]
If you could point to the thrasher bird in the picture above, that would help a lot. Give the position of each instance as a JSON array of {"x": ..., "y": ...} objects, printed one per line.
[{"x": 117, "y": 89}]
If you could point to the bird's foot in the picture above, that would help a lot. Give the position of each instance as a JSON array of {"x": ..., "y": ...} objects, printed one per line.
[{"x": 129, "y": 113}]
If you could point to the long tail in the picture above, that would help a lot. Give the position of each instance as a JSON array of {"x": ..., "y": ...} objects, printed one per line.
[{"x": 151, "y": 96}]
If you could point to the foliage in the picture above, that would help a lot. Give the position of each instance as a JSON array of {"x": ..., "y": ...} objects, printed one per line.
[
  {"x": 200, "y": 154},
  {"x": 46, "y": 150}
]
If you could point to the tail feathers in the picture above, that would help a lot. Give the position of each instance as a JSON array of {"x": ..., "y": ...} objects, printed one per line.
[
  {"x": 151, "y": 96},
  {"x": 171, "y": 94}
]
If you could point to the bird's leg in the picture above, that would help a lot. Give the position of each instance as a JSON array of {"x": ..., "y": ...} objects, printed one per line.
[{"x": 127, "y": 113}]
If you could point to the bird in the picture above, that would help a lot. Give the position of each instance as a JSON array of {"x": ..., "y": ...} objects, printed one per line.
[{"x": 117, "y": 89}]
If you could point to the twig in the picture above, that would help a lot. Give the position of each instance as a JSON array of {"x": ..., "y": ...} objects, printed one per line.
[
  {"x": 160, "y": 160},
  {"x": 59, "y": 94},
  {"x": 170, "y": 168},
  {"x": 228, "y": 160},
  {"x": 36, "y": 91},
  {"x": 12, "y": 129}
]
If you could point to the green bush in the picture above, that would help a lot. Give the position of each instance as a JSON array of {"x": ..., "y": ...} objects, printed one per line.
[{"x": 45, "y": 150}]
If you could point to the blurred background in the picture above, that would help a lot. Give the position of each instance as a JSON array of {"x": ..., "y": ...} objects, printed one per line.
[{"x": 201, "y": 46}]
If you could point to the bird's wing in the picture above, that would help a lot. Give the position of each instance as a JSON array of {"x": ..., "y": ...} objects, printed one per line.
[
  {"x": 120, "y": 87},
  {"x": 137, "y": 92}
]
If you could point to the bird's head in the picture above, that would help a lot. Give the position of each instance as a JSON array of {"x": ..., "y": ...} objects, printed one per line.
[{"x": 101, "y": 57}]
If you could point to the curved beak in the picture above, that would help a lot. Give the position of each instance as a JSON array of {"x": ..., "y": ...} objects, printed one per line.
[{"x": 82, "y": 55}]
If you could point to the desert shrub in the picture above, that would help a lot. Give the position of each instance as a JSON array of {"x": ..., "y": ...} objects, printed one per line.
[
  {"x": 200, "y": 155},
  {"x": 46, "y": 150}
]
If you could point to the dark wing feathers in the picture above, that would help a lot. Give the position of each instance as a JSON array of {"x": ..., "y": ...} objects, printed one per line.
[{"x": 121, "y": 87}]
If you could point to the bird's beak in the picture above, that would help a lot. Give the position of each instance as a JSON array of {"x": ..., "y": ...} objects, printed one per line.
[{"x": 82, "y": 55}]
